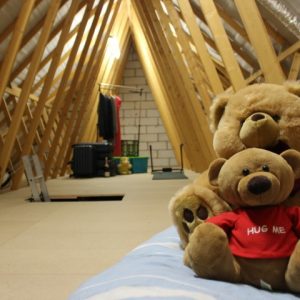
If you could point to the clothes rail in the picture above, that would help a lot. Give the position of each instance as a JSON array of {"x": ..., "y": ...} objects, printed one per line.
[{"x": 109, "y": 86}]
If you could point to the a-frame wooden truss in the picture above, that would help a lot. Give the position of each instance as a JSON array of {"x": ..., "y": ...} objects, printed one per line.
[{"x": 48, "y": 96}]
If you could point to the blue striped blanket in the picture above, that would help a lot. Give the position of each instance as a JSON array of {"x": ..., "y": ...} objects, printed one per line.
[{"x": 155, "y": 270}]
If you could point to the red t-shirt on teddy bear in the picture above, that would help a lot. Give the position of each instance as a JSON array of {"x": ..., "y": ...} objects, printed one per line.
[{"x": 261, "y": 232}]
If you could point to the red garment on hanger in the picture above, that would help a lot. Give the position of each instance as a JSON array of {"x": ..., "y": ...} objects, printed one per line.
[{"x": 117, "y": 139}]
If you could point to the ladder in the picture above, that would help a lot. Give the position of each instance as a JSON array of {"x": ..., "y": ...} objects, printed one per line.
[{"x": 35, "y": 177}]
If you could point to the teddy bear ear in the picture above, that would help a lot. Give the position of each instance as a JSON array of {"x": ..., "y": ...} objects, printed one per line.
[
  {"x": 214, "y": 170},
  {"x": 217, "y": 110},
  {"x": 293, "y": 87},
  {"x": 293, "y": 158}
]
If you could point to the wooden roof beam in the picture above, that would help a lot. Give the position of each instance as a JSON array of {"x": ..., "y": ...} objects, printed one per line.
[
  {"x": 200, "y": 46},
  {"x": 49, "y": 57},
  {"x": 60, "y": 96},
  {"x": 193, "y": 65},
  {"x": 80, "y": 87},
  {"x": 214, "y": 21},
  {"x": 19, "y": 111},
  {"x": 183, "y": 88},
  {"x": 198, "y": 119},
  {"x": 260, "y": 41},
  {"x": 9, "y": 29},
  {"x": 96, "y": 77},
  {"x": 26, "y": 61},
  {"x": 236, "y": 47},
  {"x": 152, "y": 52},
  {"x": 13, "y": 48},
  {"x": 123, "y": 36},
  {"x": 47, "y": 86},
  {"x": 294, "y": 70},
  {"x": 283, "y": 55},
  {"x": 63, "y": 58}
]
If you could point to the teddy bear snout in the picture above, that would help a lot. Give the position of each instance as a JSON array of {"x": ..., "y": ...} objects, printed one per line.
[
  {"x": 259, "y": 130},
  {"x": 259, "y": 184}
]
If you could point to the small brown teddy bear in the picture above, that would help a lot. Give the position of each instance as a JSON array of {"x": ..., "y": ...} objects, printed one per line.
[
  {"x": 258, "y": 242},
  {"x": 262, "y": 115}
]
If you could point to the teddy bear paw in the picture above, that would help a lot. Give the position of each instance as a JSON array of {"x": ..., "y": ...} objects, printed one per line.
[{"x": 191, "y": 218}]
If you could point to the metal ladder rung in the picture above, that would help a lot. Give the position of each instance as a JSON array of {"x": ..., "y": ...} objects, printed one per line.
[
  {"x": 38, "y": 178},
  {"x": 35, "y": 175}
]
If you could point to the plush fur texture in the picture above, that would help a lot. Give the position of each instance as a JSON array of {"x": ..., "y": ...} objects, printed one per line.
[
  {"x": 193, "y": 205},
  {"x": 257, "y": 179},
  {"x": 262, "y": 115}
]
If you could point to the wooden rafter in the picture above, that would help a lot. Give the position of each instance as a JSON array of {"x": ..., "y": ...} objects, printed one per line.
[
  {"x": 105, "y": 75},
  {"x": 236, "y": 47},
  {"x": 197, "y": 116},
  {"x": 179, "y": 79},
  {"x": 260, "y": 41},
  {"x": 38, "y": 52},
  {"x": 13, "y": 48},
  {"x": 46, "y": 88},
  {"x": 55, "y": 105},
  {"x": 283, "y": 55},
  {"x": 221, "y": 39},
  {"x": 91, "y": 96},
  {"x": 49, "y": 57},
  {"x": 80, "y": 87},
  {"x": 60, "y": 95},
  {"x": 201, "y": 48},
  {"x": 142, "y": 25},
  {"x": 25, "y": 62},
  {"x": 192, "y": 63},
  {"x": 295, "y": 67},
  {"x": 9, "y": 29}
]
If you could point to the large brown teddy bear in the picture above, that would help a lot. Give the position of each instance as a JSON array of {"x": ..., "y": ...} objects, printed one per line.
[
  {"x": 260, "y": 115},
  {"x": 258, "y": 242}
]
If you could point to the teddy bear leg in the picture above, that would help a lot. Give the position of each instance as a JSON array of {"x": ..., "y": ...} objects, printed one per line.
[
  {"x": 292, "y": 275},
  {"x": 209, "y": 256}
]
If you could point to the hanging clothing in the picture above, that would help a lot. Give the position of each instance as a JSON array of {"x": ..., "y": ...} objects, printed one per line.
[
  {"x": 109, "y": 127},
  {"x": 117, "y": 140},
  {"x": 106, "y": 126}
]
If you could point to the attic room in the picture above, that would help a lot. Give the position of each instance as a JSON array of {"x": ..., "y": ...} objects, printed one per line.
[{"x": 87, "y": 83}]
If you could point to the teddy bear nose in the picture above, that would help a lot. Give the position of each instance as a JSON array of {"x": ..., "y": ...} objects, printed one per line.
[
  {"x": 259, "y": 184},
  {"x": 257, "y": 117}
]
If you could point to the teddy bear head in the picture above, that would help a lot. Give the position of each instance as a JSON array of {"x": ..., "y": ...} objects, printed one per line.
[
  {"x": 261, "y": 115},
  {"x": 255, "y": 177}
]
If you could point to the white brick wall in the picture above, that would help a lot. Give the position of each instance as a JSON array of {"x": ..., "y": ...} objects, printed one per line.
[{"x": 135, "y": 108}]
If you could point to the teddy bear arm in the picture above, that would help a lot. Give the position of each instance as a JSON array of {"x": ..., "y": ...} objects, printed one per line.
[
  {"x": 292, "y": 275},
  {"x": 294, "y": 215}
]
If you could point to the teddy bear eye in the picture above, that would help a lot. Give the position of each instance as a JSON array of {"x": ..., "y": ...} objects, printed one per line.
[
  {"x": 246, "y": 172},
  {"x": 265, "y": 168},
  {"x": 276, "y": 118}
]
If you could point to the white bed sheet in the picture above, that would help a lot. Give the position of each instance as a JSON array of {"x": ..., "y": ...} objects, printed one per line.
[{"x": 155, "y": 270}]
